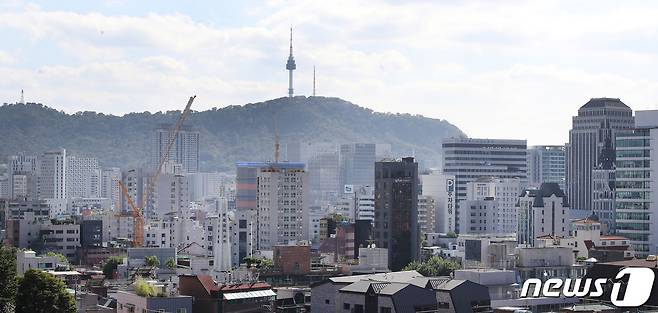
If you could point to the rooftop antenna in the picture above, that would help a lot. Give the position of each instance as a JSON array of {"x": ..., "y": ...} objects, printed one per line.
[
  {"x": 22, "y": 97},
  {"x": 313, "y": 80}
]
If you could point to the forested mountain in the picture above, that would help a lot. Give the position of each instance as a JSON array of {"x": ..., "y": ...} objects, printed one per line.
[{"x": 230, "y": 134}]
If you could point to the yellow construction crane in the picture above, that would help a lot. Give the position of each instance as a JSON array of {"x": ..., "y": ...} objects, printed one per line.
[{"x": 136, "y": 211}]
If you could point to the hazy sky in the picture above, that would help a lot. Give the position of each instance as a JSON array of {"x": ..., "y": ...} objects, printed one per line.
[{"x": 498, "y": 69}]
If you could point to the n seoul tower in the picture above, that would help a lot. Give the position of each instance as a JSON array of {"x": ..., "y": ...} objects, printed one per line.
[{"x": 290, "y": 66}]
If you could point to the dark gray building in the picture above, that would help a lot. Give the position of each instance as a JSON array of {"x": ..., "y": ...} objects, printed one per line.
[
  {"x": 396, "y": 210},
  {"x": 421, "y": 294},
  {"x": 91, "y": 233},
  {"x": 603, "y": 189},
  {"x": 600, "y": 119}
]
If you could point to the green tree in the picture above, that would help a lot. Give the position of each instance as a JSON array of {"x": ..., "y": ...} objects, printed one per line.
[
  {"x": 266, "y": 264},
  {"x": 451, "y": 234},
  {"x": 7, "y": 278},
  {"x": 151, "y": 261},
  {"x": 111, "y": 266},
  {"x": 143, "y": 289},
  {"x": 170, "y": 263},
  {"x": 434, "y": 266},
  {"x": 60, "y": 256},
  {"x": 39, "y": 292}
]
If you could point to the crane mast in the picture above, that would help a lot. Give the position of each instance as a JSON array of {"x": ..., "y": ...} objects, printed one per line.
[{"x": 136, "y": 211}]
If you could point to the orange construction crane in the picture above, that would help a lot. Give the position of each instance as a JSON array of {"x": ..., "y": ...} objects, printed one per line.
[{"x": 138, "y": 223}]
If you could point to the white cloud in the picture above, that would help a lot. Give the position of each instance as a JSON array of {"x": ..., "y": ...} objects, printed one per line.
[{"x": 498, "y": 69}]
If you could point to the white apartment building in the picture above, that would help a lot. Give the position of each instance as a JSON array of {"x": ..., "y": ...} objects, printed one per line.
[
  {"x": 52, "y": 175},
  {"x": 426, "y": 214},
  {"x": 27, "y": 259},
  {"x": 365, "y": 203},
  {"x": 110, "y": 178},
  {"x": 83, "y": 177},
  {"x": 490, "y": 206},
  {"x": 283, "y": 210},
  {"x": 170, "y": 195},
  {"x": 542, "y": 212}
]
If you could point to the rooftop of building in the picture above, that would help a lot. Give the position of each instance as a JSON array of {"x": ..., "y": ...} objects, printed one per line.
[
  {"x": 595, "y": 103},
  {"x": 403, "y": 276},
  {"x": 612, "y": 237},
  {"x": 634, "y": 263},
  {"x": 211, "y": 286},
  {"x": 544, "y": 191},
  {"x": 286, "y": 165},
  {"x": 592, "y": 219}
]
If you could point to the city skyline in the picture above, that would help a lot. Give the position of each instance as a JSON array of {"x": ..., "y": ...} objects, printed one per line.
[{"x": 435, "y": 59}]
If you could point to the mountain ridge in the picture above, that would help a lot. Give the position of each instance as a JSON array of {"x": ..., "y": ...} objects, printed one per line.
[{"x": 228, "y": 134}]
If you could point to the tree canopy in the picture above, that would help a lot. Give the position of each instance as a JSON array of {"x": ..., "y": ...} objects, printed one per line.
[
  {"x": 170, "y": 263},
  {"x": 111, "y": 266},
  {"x": 40, "y": 292},
  {"x": 7, "y": 278},
  {"x": 227, "y": 135},
  {"x": 143, "y": 289},
  {"x": 434, "y": 266},
  {"x": 151, "y": 261}
]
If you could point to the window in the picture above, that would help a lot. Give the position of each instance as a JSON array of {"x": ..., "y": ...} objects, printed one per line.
[
  {"x": 384, "y": 310},
  {"x": 326, "y": 301},
  {"x": 346, "y": 306},
  {"x": 358, "y": 308}
]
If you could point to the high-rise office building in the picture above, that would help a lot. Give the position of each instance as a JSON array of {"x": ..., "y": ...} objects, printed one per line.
[
  {"x": 600, "y": 119},
  {"x": 635, "y": 198},
  {"x": 469, "y": 159},
  {"x": 547, "y": 164},
  {"x": 396, "y": 210},
  {"x": 321, "y": 159},
  {"x": 83, "y": 177},
  {"x": 52, "y": 175},
  {"x": 184, "y": 150},
  {"x": 357, "y": 164}
]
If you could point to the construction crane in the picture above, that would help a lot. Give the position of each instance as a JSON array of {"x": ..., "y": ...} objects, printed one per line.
[{"x": 136, "y": 211}]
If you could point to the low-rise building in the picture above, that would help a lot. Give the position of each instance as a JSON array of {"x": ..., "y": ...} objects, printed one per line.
[
  {"x": 292, "y": 259},
  {"x": 210, "y": 296},
  {"x": 27, "y": 259},
  {"x": 324, "y": 294},
  {"x": 62, "y": 237},
  {"x": 548, "y": 262},
  {"x": 128, "y": 302}
]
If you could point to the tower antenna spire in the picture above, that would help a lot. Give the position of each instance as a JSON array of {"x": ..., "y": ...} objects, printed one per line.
[
  {"x": 290, "y": 41},
  {"x": 290, "y": 66},
  {"x": 22, "y": 97}
]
